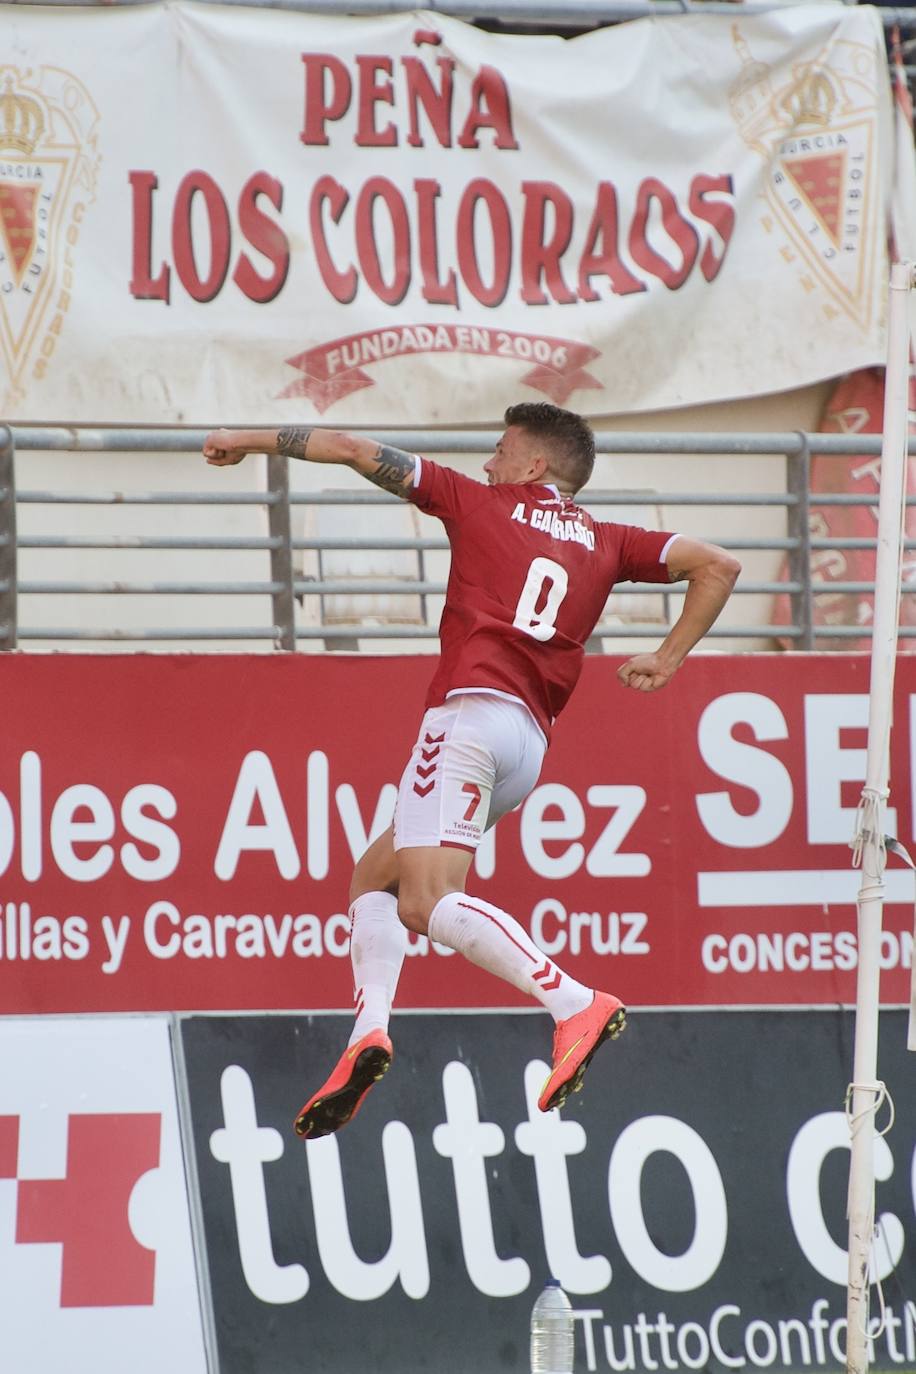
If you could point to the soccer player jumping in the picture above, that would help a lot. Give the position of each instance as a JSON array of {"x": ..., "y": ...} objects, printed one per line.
[{"x": 530, "y": 574}]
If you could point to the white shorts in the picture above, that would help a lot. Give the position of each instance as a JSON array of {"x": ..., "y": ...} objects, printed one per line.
[{"x": 476, "y": 757}]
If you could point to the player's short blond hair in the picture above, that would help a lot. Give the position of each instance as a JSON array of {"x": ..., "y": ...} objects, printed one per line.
[{"x": 568, "y": 439}]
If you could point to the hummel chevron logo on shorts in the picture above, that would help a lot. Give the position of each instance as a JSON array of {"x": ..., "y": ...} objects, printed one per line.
[{"x": 424, "y": 787}]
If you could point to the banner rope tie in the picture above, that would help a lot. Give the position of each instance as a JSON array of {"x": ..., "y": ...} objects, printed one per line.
[
  {"x": 868, "y": 817},
  {"x": 882, "y": 1095}
]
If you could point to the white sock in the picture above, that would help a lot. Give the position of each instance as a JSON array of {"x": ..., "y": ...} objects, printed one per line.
[
  {"x": 378, "y": 943},
  {"x": 494, "y": 940}
]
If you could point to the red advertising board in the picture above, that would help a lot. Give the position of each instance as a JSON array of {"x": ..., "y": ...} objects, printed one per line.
[{"x": 177, "y": 832}]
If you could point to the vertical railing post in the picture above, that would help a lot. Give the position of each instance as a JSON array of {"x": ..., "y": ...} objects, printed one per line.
[
  {"x": 281, "y": 553},
  {"x": 8, "y": 597},
  {"x": 798, "y": 483}
]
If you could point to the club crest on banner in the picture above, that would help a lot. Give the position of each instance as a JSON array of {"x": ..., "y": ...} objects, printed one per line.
[
  {"x": 817, "y": 132},
  {"x": 48, "y": 168}
]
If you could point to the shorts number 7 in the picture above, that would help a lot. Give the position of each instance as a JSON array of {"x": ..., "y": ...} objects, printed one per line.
[{"x": 470, "y": 789}]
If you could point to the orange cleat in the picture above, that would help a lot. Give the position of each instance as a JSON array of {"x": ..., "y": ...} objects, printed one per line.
[
  {"x": 575, "y": 1041},
  {"x": 340, "y": 1098}
]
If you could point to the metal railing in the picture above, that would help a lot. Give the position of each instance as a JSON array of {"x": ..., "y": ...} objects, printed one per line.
[
  {"x": 561, "y": 14},
  {"x": 279, "y": 547}
]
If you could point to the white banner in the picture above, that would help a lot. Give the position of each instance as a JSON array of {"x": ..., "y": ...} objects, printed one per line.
[{"x": 222, "y": 214}]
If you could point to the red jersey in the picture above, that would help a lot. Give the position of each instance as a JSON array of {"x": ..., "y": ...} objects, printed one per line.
[{"x": 531, "y": 573}]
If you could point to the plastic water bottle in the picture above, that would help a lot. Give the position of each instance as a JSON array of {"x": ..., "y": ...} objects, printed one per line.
[{"x": 552, "y": 1339}]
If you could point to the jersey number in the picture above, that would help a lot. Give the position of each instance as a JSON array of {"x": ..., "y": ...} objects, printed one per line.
[{"x": 540, "y": 621}]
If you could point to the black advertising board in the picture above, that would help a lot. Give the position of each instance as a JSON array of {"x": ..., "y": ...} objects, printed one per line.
[{"x": 691, "y": 1200}]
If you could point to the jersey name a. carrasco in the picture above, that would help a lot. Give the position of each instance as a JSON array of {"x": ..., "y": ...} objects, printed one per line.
[{"x": 530, "y": 575}]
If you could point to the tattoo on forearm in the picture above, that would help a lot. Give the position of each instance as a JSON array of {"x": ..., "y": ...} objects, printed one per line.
[
  {"x": 291, "y": 443},
  {"x": 395, "y": 470}
]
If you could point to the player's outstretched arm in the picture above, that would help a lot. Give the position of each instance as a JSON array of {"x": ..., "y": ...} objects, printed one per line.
[
  {"x": 711, "y": 573},
  {"x": 390, "y": 468}
]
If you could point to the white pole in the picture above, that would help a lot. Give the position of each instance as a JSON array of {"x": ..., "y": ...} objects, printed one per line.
[{"x": 865, "y": 1089}]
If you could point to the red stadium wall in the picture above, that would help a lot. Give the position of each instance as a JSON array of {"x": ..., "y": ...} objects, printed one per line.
[{"x": 177, "y": 832}]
